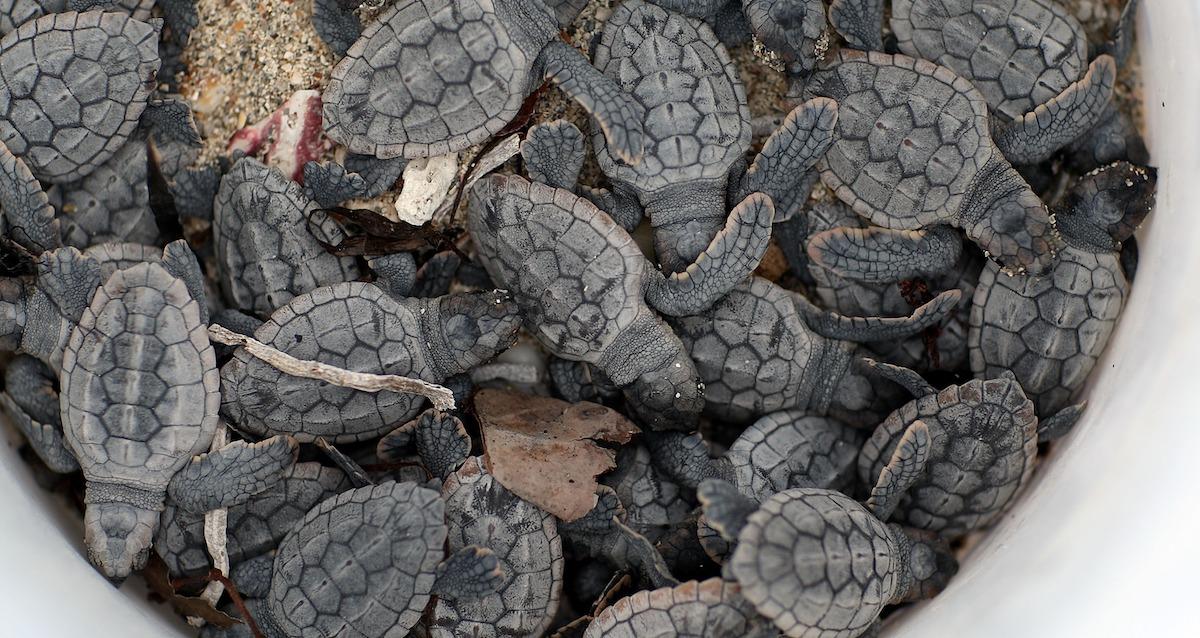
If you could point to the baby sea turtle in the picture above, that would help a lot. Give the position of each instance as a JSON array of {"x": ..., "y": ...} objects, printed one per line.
[
  {"x": 653, "y": 503},
  {"x": 263, "y": 232},
  {"x": 110, "y": 204},
  {"x": 480, "y": 511},
  {"x": 713, "y": 608},
  {"x": 1029, "y": 59},
  {"x": 358, "y": 326},
  {"x": 26, "y": 216},
  {"x": 817, "y": 563},
  {"x": 68, "y": 108},
  {"x": 913, "y": 150},
  {"x": 366, "y": 562},
  {"x": 762, "y": 349},
  {"x": 580, "y": 282},
  {"x": 431, "y": 77},
  {"x": 697, "y": 128}
]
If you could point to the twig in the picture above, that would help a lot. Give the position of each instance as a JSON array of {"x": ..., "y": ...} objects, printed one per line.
[
  {"x": 442, "y": 397},
  {"x": 238, "y": 602},
  {"x": 215, "y": 536}
]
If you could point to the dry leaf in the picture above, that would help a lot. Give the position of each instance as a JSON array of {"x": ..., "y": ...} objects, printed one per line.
[
  {"x": 159, "y": 582},
  {"x": 547, "y": 451}
]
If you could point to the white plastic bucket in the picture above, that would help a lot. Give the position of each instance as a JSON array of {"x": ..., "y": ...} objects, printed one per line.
[{"x": 1105, "y": 543}]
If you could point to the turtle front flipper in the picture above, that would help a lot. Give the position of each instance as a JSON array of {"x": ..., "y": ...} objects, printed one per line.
[
  {"x": 684, "y": 457},
  {"x": 440, "y": 440},
  {"x": 835, "y": 326},
  {"x": 1035, "y": 136},
  {"x": 28, "y": 218},
  {"x": 905, "y": 467},
  {"x": 32, "y": 403},
  {"x": 179, "y": 260},
  {"x": 169, "y": 118},
  {"x": 790, "y": 151},
  {"x": 906, "y": 378},
  {"x": 232, "y": 475},
  {"x": 469, "y": 574},
  {"x": 725, "y": 508},
  {"x": 618, "y": 116},
  {"x": 601, "y": 533},
  {"x": 730, "y": 257},
  {"x": 394, "y": 273},
  {"x": 554, "y": 154},
  {"x": 329, "y": 183},
  {"x": 884, "y": 256},
  {"x": 45, "y": 437},
  {"x": 336, "y": 23},
  {"x": 860, "y": 22},
  {"x": 1058, "y": 425},
  {"x": 464, "y": 330}
]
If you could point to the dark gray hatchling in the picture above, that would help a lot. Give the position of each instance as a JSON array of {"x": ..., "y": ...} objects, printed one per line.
[
  {"x": 263, "y": 230},
  {"x": 358, "y": 326},
  {"x": 431, "y": 77},
  {"x": 586, "y": 291},
  {"x": 713, "y": 608},
  {"x": 110, "y": 204},
  {"x": 697, "y": 129},
  {"x": 818, "y": 563},
  {"x": 67, "y": 108},
  {"x": 366, "y": 563},
  {"x": 762, "y": 349},
  {"x": 1029, "y": 59},
  {"x": 913, "y": 150},
  {"x": 653, "y": 502},
  {"x": 26, "y": 216},
  {"x": 480, "y": 511}
]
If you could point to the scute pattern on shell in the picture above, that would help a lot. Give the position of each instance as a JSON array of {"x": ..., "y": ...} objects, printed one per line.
[
  {"x": 713, "y": 608},
  {"x": 653, "y": 503},
  {"x": 784, "y": 447},
  {"x": 817, "y": 563},
  {"x": 1018, "y": 53},
  {"x": 139, "y": 380},
  {"x": 1049, "y": 331},
  {"x": 72, "y": 87},
  {"x": 362, "y": 563},
  {"x": 110, "y": 204},
  {"x": 480, "y": 511},
  {"x": 984, "y": 441}
]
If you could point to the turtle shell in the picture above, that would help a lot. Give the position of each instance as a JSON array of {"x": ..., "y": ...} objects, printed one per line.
[
  {"x": 352, "y": 325},
  {"x": 111, "y": 204},
  {"x": 266, "y": 252},
  {"x": 911, "y": 137},
  {"x": 113, "y": 256},
  {"x": 429, "y": 77},
  {"x": 480, "y": 511},
  {"x": 817, "y": 563},
  {"x": 72, "y": 88},
  {"x": 140, "y": 389},
  {"x": 984, "y": 438},
  {"x": 713, "y": 608},
  {"x": 362, "y": 563},
  {"x": 1049, "y": 330},
  {"x": 575, "y": 274},
  {"x": 752, "y": 351},
  {"x": 653, "y": 503},
  {"x": 1018, "y": 53},
  {"x": 793, "y": 449},
  {"x": 697, "y": 121}
]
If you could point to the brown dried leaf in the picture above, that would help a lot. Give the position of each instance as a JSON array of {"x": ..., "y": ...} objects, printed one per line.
[
  {"x": 547, "y": 451},
  {"x": 159, "y": 582}
]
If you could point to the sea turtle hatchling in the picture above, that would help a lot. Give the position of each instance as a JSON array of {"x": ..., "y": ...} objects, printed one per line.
[
  {"x": 68, "y": 108},
  {"x": 366, "y": 563},
  {"x": 585, "y": 289},
  {"x": 913, "y": 150},
  {"x": 110, "y": 204},
  {"x": 480, "y": 511},
  {"x": 431, "y": 77},
  {"x": 713, "y": 608}
]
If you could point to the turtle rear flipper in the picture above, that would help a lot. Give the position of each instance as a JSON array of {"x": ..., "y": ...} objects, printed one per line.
[
  {"x": 394, "y": 273},
  {"x": 169, "y": 119},
  {"x": 469, "y": 574},
  {"x": 253, "y": 576},
  {"x": 179, "y": 260},
  {"x": 46, "y": 438},
  {"x": 69, "y": 279},
  {"x": 860, "y": 22},
  {"x": 1058, "y": 425},
  {"x": 683, "y": 457},
  {"x": 725, "y": 509},
  {"x": 440, "y": 440},
  {"x": 232, "y": 475},
  {"x": 329, "y": 183},
  {"x": 554, "y": 154},
  {"x": 905, "y": 467},
  {"x": 790, "y": 151},
  {"x": 618, "y": 116},
  {"x": 882, "y": 255},
  {"x": 729, "y": 259},
  {"x": 835, "y": 326},
  {"x": 1038, "y": 134},
  {"x": 28, "y": 218}
]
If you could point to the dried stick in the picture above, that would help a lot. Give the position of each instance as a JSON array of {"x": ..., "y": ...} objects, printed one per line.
[
  {"x": 215, "y": 536},
  {"x": 442, "y": 397}
]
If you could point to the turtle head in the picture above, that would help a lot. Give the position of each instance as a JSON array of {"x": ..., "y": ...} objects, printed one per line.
[
  {"x": 472, "y": 328},
  {"x": 12, "y": 313},
  {"x": 929, "y": 563},
  {"x": 118, "y": 537},
  {"x": 1106, "y": 206}
]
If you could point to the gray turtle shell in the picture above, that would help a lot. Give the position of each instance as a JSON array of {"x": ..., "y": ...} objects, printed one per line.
[
  {"x": 911, "y": 137},
  {"x": 352, "y": 325},
  {"x": 429, "y": 77},
  {"x": 697, "y": 121},
  {"x": 793, "y": 449},
  {"x": 480, "y": 511},
  {"x": 14, "y": 13},
  {"x": 984, "y": 443},
  {"x": 1049, "y": 330},
  {"x": 72, "y": 88},
  {"x": 653, "y": 503},
  {"x": 713, "y": 608},
  {"x": 140, "y": 389},
  {"x": 1018, "y": 53},
  {"x": 817, "y": 563},
  {"x": 113, "y": 256},
  {"x": 265, "y": 250},
  {"x": 111, "y": 204},
  {"x": 362, "y": 563}
]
